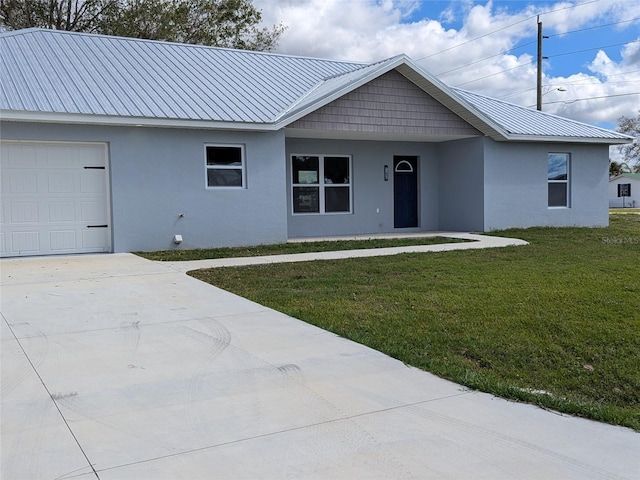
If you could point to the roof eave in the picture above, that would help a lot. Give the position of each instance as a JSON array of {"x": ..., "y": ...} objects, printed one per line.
[
  {"x": 565, "y": 139},
  {"x": 109, "y": 120},
  {"x": 626, "y": 175}
]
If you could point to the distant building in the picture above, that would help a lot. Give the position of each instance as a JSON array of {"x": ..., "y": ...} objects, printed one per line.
[{"x": 624, "y": 190}]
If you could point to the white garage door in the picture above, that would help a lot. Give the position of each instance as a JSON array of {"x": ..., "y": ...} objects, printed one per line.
[{"x": 54, "y": 198}]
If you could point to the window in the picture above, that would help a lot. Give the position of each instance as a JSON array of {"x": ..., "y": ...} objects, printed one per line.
[
  {"x": 558, "y": 179},
  {"x": 225, "y": 166},
  {"x": 624, "y": 189},
  {"x": 321, "y": 183}
]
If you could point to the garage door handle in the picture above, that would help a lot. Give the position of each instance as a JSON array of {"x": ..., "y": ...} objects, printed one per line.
[
  {"x": 97, "y": 226},
  {"x": 94, "y": 168}
]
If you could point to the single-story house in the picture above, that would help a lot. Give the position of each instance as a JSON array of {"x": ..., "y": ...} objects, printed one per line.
[
  {"x": 117, "y": 144},
  {"x": 624, "y": 190}
]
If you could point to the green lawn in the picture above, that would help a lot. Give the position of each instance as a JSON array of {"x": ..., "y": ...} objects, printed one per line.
[
  {"x": 556, "y": 323},
  {"x": 624, "y": 210},
  {"x": 289, "y": 248}
]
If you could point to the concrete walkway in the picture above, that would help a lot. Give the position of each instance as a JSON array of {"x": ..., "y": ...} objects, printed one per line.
[
  {"x": 115, "y": 367},
  {"x": 474, "y": 241}
]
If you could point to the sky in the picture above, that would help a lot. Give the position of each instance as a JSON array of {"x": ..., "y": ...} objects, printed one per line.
[{"x": 486, "y": 46}]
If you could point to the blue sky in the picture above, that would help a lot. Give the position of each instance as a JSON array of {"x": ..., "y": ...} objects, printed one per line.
[
  {"x": 474, "y": 44},
  {"x": 597, "y": 33}
]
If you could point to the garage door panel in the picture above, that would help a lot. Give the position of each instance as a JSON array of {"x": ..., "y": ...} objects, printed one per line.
[
  {"x": 27, "y": 242},
  {"x": 92, "y": 181},
  {"x": 24, "y": 212},
  {"x": 61, "y": 156},
  {"x": 63, "y": 240},
  {"x": 92, "y": 212},
  {"x": 61, "y": 182},
  {"x": 24, "y": 182},
  {"x": 50, "y": 200},
  {"x": 62, "y": 212},
  {"x": 93, "y": 238}
]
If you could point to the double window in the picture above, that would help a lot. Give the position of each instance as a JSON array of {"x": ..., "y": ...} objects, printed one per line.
[
  {"x": 558, "y": 170},
  {"x": 225, "y": 166},
  {"x": 321, "y": 183}
]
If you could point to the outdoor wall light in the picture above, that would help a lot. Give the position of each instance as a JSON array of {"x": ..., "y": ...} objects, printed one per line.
[{"x": 386, "y": 173}]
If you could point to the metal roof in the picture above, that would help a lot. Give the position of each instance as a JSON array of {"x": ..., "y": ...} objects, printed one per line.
[
  {"x": 635, "y": 176},
  {"x": 62, "y": 72},
  {"x": 520, "y": 122},
  {"x": 58, "y": 76}
]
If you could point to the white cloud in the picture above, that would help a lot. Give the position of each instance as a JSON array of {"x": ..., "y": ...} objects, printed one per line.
[{"x": 370, "y": 30}]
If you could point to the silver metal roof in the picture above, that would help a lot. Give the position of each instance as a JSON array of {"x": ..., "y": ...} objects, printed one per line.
[
  {"x": 519, "y": 121},
  {"x": 57, "y": 76},
  {"x": 61, "y": 72}
]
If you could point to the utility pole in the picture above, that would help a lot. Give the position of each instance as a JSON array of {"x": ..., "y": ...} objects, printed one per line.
[{"x": 540, "y": 58}]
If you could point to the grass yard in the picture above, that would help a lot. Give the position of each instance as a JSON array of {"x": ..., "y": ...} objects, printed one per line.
[
  {"x": 289, "y": 248},
  {"x": 555, "y": 323},
  {"x": 624, "y": 210}
]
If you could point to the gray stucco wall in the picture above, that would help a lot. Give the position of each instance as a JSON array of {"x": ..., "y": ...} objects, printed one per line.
[
  {"x": 516, "y": 185},
  {"x": 461, "y": 187},
  {"x": 370, "y": 192},
  {"x": 157, "y": 174}
]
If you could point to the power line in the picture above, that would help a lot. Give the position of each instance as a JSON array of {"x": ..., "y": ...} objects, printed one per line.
[
  {"x": 529, "y": 43},
  {"x": 558, "y": 84},
  {"x": 494, "y": 74},
  {"x": 550, "y": 56},
  {"x": 485, "y": 58},
  {"x": 549, "y": 36},
  {"x": 574, "y": 83},
  {"x": 594, "y": 83},
  {"x": 567, "y": 102},
  {"x": 504, "y": 28},
  {"x": 591, "y": 49},
  {"x": 593, "y": 28}
]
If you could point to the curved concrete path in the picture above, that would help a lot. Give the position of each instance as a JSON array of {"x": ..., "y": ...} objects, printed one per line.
[
  {"x": 474, "y": 241},
  {"x": 115, "y": 367}
]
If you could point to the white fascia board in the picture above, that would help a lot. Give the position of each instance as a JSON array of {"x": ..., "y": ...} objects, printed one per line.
[
  {"x": 87, "y": 119},
  {"x": 290, "y": 116},
  {"x": 552, "y": 139}
]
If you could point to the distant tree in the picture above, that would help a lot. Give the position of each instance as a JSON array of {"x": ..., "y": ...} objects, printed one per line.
[
  {"x": 617, "y": 168},
  {"x": 631, "y": 152},
  {"x": 72, "y": 15},
  {"x": 224, "y": 23}
]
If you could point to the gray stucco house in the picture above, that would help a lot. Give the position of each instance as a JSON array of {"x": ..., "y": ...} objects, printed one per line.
[{"x": 117, "y": 144}]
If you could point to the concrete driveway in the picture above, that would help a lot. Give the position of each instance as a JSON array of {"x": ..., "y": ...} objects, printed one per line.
[{"x": 115, "y": 367}]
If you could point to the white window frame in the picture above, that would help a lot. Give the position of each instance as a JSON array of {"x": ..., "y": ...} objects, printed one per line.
[
  {"x": 242, "y": 167},
  {"x": 567, "y": 182},
  {"x": 321, "y": 185}
]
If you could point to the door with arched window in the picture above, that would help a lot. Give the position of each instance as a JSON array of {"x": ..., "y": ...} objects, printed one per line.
[{"x": 405, "y": 191}]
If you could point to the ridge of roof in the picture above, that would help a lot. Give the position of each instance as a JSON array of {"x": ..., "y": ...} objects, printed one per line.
[{"x": 31, "y": 30}]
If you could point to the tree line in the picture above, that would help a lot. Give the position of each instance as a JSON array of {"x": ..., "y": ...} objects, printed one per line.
[
  {"x": 221, "y": 23},
  {"x": 630, "y": 162}
]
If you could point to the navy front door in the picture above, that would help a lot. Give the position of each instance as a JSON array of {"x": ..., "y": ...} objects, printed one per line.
[{"x": 405, "y": 191}]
